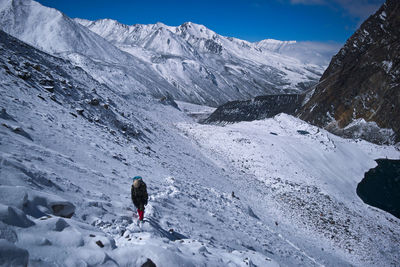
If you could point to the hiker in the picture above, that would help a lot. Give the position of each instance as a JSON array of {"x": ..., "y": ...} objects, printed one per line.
[{"x": 139, "y": 195}]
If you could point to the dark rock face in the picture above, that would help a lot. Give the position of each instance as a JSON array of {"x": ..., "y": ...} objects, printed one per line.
[
  {"x": 381, "y": 186},
  {"x": 149, "y": 263},
  {"x": 363, "y": 79},
  {"x": 258, "y": 108}
]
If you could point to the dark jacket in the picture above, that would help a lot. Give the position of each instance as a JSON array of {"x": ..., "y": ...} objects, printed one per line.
[{"x": 139, "y": 195}]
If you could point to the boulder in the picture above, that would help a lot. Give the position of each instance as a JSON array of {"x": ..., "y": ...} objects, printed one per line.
[
  {"x": 11, "y": 255},
  {"x": 13, "y": 216},
  {"x": 35, "y": 203}
]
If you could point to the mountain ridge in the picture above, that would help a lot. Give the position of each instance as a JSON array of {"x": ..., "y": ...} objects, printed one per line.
[{"x": 358, "y": 94}]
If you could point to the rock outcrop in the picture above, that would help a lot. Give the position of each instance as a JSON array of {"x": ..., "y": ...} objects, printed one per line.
[
  {"x": 362, "y": 83},
  {"x": 258, "y": 108}
]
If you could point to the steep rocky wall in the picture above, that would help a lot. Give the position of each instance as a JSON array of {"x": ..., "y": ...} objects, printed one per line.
[{"x": 362, "y": 80}]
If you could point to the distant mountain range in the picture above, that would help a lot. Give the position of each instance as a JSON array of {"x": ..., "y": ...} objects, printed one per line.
[{"x": 189, "y": 62}]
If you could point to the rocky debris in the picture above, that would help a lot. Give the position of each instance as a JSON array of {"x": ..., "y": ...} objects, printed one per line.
[
  {"x": 258, "y": 108},
  {"x": 35, "y": 203},
  {"x": 362, "y": 81}
]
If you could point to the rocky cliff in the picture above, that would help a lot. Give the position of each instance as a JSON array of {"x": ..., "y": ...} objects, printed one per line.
[{"x": 358, "y": 95}]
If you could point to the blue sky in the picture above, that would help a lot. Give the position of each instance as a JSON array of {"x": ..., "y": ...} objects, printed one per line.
[{"x": 253, "y": 20}]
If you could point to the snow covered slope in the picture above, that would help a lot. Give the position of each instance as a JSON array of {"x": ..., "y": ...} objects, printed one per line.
[
  {"x": 219, "y": 196},
  {"x": 68, "y": 147},
  {"x": 305, "y": 180},
  {"x": 197, "y": 60}
]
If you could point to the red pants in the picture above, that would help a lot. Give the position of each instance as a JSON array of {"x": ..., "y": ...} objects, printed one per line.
[{"x": 141, "y": 214}]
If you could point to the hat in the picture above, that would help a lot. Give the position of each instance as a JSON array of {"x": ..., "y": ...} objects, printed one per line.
[{"x": 137, "y": 178}]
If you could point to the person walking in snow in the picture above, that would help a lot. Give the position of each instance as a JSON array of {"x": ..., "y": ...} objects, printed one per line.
[{"x": 139, "y": 195}]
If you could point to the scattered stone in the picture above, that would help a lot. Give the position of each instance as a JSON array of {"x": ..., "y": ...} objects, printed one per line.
[
  {"x": 234, "y": 196},
  {"x": 53, "y": 97},
  {"x": 100, "y": 244},
  {"x": 49, "y": 88},
  {"x": 24, "y": 75},
  {"x": 94, "y": 102},
  {"x": 37, "y": 67},
  {"x": 65, "y": 209},
  {"x": 302, "y": 132},
  {"x": 18, "y": 130},
  {"x": 14, "y": 216},
  {"x": 92, "y": 235},
  {"x": 80, "y": 111},
  {"x": 60, "y": 225}
]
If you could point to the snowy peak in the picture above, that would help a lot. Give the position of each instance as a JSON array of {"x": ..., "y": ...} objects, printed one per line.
[
  {"x": 196, "y": 31},
  {"x": 193, "y": 57},
  {"x": 51, "y": 31}
]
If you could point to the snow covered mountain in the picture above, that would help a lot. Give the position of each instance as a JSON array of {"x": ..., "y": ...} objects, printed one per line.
[
  {"x": 219, "y": 196},
  {"x": 51, "y": 31},
  {"x": 189, "y": 62},
  {"x": 197, "y": 60}
]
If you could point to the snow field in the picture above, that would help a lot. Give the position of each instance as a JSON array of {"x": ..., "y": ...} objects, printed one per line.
[{"x": 306, "y": 183}]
